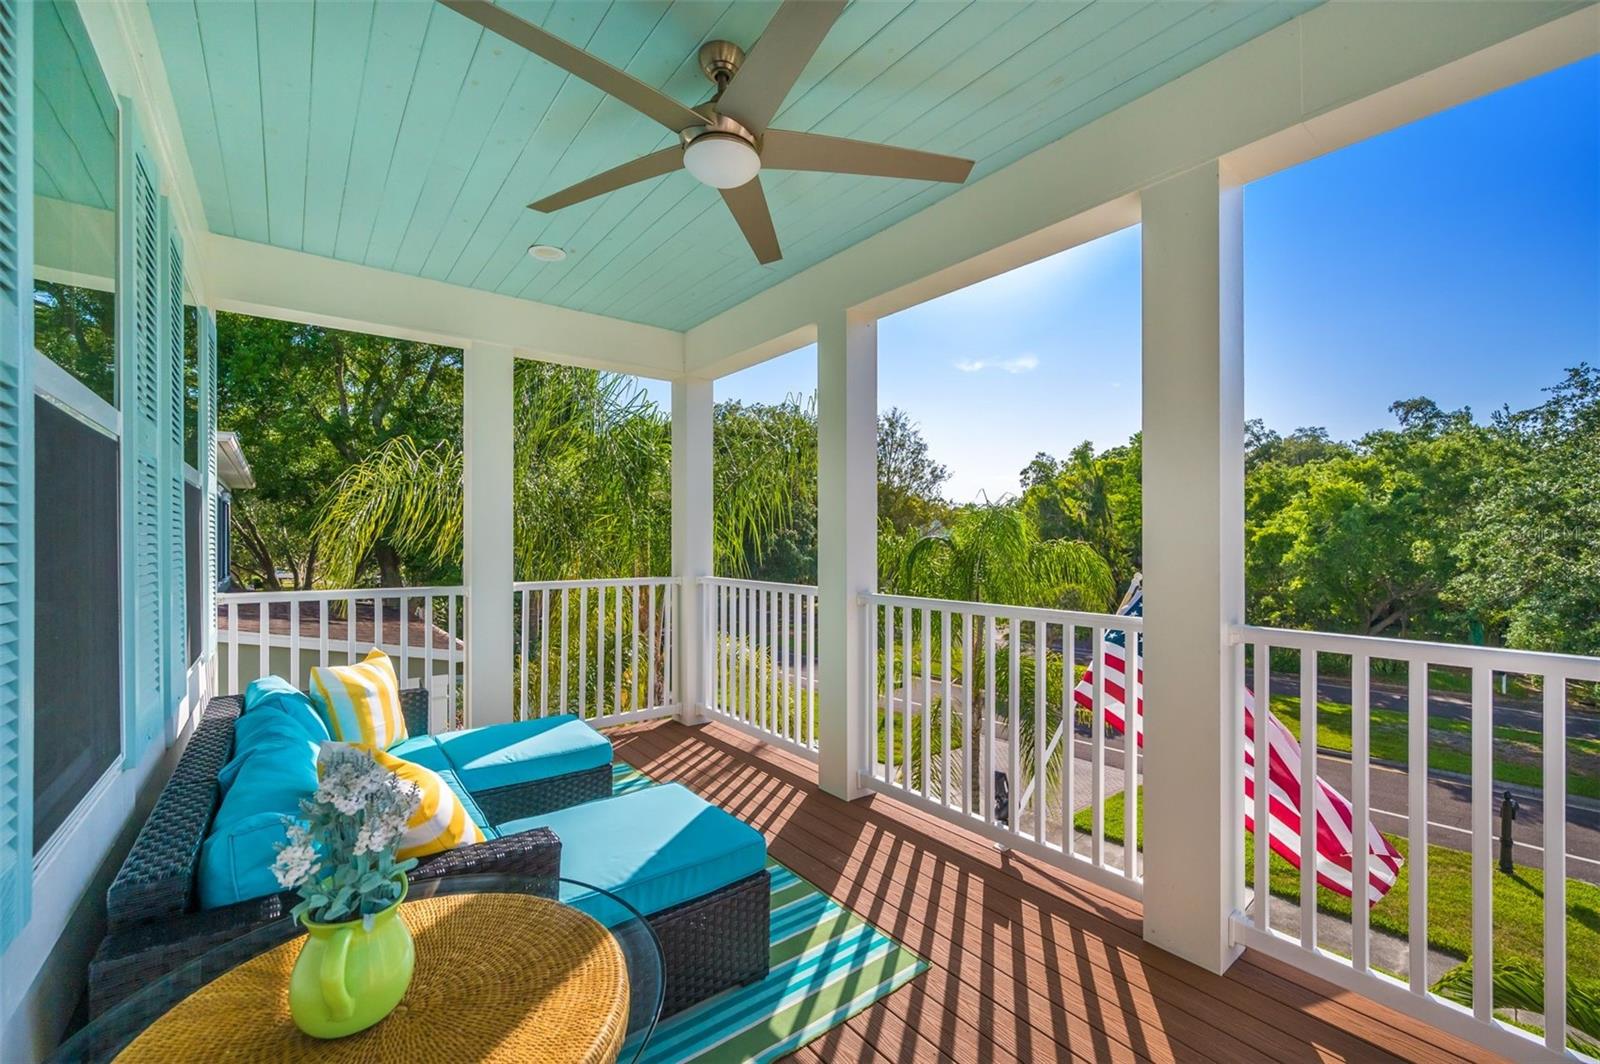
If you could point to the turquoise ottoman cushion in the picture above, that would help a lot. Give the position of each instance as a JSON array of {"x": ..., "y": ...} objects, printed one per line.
[
  {"x": 424, "y": 750},
  {"x": 654, "y": 848},
  {"x": 502, "y": 755}
]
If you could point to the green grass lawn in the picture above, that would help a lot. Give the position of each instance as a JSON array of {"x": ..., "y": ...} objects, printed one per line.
[
  {"x": 1518, "y": 901},
  {"x": 1517, "y": 750}
]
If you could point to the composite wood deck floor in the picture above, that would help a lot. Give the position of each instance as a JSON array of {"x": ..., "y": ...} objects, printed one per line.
[{"x": 1028, "y": 962}]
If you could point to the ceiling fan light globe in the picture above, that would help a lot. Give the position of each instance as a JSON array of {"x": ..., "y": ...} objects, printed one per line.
[{"x": 721, "y": 160}]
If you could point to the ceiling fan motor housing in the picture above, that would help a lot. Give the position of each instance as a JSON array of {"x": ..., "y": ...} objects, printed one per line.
[{"x": 720, "y": 61}]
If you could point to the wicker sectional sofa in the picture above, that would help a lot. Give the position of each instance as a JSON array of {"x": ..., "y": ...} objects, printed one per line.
[{"x": 155, "y": 923}]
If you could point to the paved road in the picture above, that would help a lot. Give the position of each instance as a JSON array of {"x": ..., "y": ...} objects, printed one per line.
[
  {"x": 1450, "y": 816},
  {"x": 1449, "y": 811},
  {"x": 1449, "y": 799},
  {"x": 1508, "y": 711}
]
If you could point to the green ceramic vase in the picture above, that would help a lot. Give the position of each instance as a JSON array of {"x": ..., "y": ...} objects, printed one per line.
[{"x": 347, "y": 977}]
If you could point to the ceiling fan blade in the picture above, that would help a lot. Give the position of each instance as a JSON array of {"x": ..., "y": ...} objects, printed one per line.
[
  {"x": 749, "y": 206},
  {"x": 782, "y": 149},
  {"x": 579, "y": 63},
  {"x": 774, "y": 64},
  {"x": 630, "y": 173}
]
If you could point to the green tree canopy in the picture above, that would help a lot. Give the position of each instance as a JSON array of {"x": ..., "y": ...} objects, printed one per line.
[
  {"x": 308, "y": 404},
  {"x": 910, "y": 482},
  {"x": 1528, "y": 554}
]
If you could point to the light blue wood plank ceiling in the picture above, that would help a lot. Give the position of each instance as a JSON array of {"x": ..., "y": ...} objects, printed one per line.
[{"x": 400, "y": 135}]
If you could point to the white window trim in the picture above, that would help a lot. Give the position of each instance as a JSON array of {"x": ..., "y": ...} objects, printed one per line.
[
  {"x": 70, "y": 394},
  {"x": 62, "y": 837}
]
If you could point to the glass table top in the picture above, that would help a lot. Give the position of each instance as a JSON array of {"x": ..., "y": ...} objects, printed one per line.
[{"x": 108, "y": 1034}]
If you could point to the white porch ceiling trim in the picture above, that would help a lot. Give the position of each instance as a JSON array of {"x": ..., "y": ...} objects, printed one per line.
[
  {"x": 273, "y": 282},
  {"x": 1337, "y": 74}
]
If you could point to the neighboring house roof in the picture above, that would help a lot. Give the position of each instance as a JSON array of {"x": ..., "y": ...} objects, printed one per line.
[
  {"x": 418, "y": 632},
  {"x": 232, "y": 468}
]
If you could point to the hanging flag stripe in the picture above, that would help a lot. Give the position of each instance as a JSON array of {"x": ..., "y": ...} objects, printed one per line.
[{"x": 1335, "y": 836}]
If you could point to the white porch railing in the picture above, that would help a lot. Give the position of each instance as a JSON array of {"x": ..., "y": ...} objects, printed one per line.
[
  {"x": 602, "y": 649},
  {"x": 963, "y": 727},
  {"x": 760, "y": 668},
  {"x": 1553, "y": 673},
  {"x": 286, "y": 633}
]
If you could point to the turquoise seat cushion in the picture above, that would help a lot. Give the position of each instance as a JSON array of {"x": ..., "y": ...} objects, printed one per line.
[
  {"x": 236, "y": 859},
  {"x": 654, "y": 848},
  {"x": 424, "y": 750},
  {"x": 275, "y": 694},
  {"x": 502, "y": 755}
]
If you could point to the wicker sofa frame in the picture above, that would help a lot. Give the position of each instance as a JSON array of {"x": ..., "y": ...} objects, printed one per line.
[{"x": 155, "y": 925}]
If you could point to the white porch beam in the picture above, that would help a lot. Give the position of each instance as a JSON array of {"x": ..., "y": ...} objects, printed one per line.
[
  {"x": 487, "y": 568},
  {"x": 692, "y": 553},
  {"x": 1340, "y": 73},
  {"x": 847, "y": 539},
  {"x": 1193, "y": 322},
  {"x": 273, "y": 282}
]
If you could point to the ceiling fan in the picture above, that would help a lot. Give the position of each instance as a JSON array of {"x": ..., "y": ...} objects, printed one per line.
[{"x": 725, "y": 142}]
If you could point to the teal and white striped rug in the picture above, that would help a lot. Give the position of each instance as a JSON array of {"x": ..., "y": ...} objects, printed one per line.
[{"x": 827, "y": 965}]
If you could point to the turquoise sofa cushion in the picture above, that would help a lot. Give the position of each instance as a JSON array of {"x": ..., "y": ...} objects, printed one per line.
[
  {"x": 279, "y": 695},
  {"x": 654, "y": 848},
  {"x": 502, "y": 755},
  {"x": 424, "y": 750},
  {"x": 236, "y": 860},
  {"x": 269, "y": 776},
  {"x": 267, "y": 728}
]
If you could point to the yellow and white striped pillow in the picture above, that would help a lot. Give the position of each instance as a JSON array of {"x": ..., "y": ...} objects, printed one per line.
[
  {"x": 440, "y": 822},
  {"x": 361, "y": 702}
]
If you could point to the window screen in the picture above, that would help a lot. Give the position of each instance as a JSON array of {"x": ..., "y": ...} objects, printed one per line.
[
  {"x": 194, "y": 567},
  {"x": 77, "y": 644}
]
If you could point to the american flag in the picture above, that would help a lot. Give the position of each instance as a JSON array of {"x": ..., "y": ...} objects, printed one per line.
[{"x": 1335, "y": 837}]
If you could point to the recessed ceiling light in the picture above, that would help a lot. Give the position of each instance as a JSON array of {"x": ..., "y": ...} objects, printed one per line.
[{"x": 547, "y": 253}]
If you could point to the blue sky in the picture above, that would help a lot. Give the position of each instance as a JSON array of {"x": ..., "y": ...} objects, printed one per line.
[{"x": 1457, "y": 257}]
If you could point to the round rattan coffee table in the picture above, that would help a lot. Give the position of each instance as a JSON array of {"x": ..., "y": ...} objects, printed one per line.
[{"x": 503, "y": 973}]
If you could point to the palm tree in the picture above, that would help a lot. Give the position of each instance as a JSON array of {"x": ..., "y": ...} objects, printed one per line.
[
  {"x": 592, "y": 493},
  {"x": 401, "y": 495},
  {"x": 592, "y": 485},
  {"x": 764, "y": 467},
  {"x": 994, "y": 553}
]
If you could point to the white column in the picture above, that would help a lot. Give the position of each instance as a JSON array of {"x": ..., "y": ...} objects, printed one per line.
[
  {"x": 847, "y": 540},
  {"x": 691, "y": 533},
  {"x": 1193, "y": 561},
  {"x": 486, "y": 437}
]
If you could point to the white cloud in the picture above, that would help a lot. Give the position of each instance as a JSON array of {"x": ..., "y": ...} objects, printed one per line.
[{"x": 1020, "y": 364}]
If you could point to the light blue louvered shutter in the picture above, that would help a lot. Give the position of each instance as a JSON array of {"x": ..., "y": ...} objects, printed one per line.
[
  {"x": 16, "y": 468},
  {"x": 208, "y": 440},
  {"x": 140, "y": 351},
  {"x": 173, "y": 612}
]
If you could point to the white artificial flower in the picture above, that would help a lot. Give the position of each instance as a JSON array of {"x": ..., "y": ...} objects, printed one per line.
[
  {"x": 294, "y": 865},
  {"x": 356, "y": 818}
]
